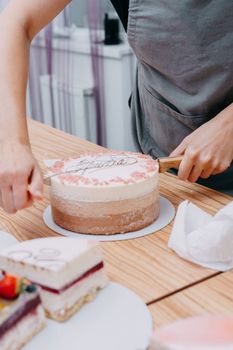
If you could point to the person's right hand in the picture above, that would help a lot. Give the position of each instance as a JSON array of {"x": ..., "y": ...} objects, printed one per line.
[{"x": 20, "y": 176}]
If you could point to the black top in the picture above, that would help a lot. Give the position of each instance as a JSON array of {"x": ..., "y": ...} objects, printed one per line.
[{"x": 122, "y": 8}]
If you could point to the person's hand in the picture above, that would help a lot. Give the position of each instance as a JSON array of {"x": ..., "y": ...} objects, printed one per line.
[
  {"x": 20, "y": 176},
  {"x": 209, "y": 149}
]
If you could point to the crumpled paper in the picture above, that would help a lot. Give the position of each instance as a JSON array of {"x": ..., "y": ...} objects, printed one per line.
[{"x": 204, "y": 239}]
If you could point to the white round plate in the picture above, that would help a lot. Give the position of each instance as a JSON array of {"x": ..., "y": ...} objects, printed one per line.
[
  {"x": 116, "y": 320},
  {"x": 167, "y": 213},
  {"x": 6, "y": 240}
]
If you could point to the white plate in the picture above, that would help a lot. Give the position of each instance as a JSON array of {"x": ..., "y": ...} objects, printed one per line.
[
  {"x": 6, "y": 240},
  {"x": 167, "y": 213},
  {"x": 116, "y": 320}
]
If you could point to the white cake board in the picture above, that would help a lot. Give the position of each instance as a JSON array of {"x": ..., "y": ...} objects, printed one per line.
[
  {"x": 167, "y": 213},
  {"x": 116, "y": 320}
]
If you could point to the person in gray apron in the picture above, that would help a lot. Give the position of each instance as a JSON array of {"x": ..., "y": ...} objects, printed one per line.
[
  {"x": 182, "y": 98},
  {"x": 184, "y": 74}
]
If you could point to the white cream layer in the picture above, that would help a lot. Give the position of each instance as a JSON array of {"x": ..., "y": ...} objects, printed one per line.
[
  {"x": 55, "y": 303},
  {"x": 108, "y": 193},
  {"x": 52, "y": 262}
]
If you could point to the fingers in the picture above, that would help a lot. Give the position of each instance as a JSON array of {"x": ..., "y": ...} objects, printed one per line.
[
  {"x": 206, "y": 173},
  {"x": 15, "y": 197},
  {"x": 186, "y": 167},
  {"x": 14, "y": 189},
  {"x": 195, "y": 173},
  {"x": 195, "y": 165},
  {"x": 20, "y": 195},
  {"x": 36, "y": 184},
  {"x": 202, "y": 165},
  {"x": 18, "y": 170},
  {"x": 8, "y": 200}
]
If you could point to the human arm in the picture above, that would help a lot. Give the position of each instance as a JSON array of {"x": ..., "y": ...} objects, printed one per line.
[{"x": 20, "y": 175}]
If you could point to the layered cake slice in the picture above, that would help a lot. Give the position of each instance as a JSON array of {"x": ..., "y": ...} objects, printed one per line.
[
  {"x": 21, "y": 316},
  {"x": 69, "y": 271},
  {"x": 197, "y": 333},
  {"x": 105, "y": 193}
]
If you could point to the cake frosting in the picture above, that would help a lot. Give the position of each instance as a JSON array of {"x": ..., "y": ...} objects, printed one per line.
[
  {"x": 105, "y": 176},
  {"x": 68, "y": 271},
  {"x": 101, "y": 181}
]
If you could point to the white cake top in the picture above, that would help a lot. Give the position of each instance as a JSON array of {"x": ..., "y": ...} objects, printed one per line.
[
  {"x": 105, "y": 169},
  {"x": 51, "y": 253},
  {"x": 105, "y": 174}
]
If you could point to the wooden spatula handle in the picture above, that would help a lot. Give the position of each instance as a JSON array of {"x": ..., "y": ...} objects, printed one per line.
[{"x": 166, "y": 163}]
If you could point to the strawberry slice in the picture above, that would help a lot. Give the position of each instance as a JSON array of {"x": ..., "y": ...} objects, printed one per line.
[{"x": 10, "y": 286}]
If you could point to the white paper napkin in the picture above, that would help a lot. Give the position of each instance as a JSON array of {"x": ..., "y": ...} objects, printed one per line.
[{"x": 204, "y": 239}]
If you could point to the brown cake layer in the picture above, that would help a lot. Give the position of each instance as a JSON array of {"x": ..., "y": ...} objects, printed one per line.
[{"x": 106, "y": 217}]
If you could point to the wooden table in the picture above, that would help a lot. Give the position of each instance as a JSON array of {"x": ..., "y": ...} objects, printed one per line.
[
  {"x": 213, "y": 296},
  {"x": 145, "y": 265}
]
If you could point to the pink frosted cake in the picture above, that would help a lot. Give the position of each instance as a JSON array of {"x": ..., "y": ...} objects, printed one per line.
[
  {"x": 69, "y": 271},
  {"x": 105, "y": 193},
  {"x": 198, "y": 333}
]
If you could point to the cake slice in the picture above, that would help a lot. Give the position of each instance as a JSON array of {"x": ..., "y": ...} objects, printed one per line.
[
  {"x": 69, "y": 271},
  {"x": 20, "y": 318},
  {"x": 197, "y": 333}
]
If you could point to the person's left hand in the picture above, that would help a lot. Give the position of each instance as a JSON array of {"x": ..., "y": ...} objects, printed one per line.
[{"x": 209, "y": 149}]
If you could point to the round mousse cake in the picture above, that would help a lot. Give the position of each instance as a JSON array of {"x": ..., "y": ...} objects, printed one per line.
[{"x": 105, "y": 193}]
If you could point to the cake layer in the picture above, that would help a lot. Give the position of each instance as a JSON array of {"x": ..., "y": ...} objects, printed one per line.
[
  {"x": 86, "y": 275},
  {"x": 107, "y": 218},
  {"x": 63, "y": 305},
  {"x": 23, "y": 331},
  {"x": 53, "y": 262},
  {"x": 12, "y": 312},
  {"x": 104, "y": 177},
  {"x": 93, "y": 209}
]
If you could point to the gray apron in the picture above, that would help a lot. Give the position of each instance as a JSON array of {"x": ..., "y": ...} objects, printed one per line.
[{"x": 185, "y": 72}]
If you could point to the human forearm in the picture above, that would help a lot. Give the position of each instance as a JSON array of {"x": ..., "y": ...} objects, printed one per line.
[
  {"x": 20, "y": 175},
  {"x": 19, "y": 23},
  {"x": 14, "y": 48},
  {"x": 17, "y": 164}
]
